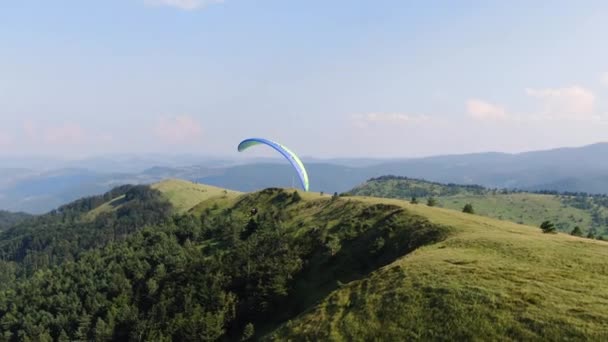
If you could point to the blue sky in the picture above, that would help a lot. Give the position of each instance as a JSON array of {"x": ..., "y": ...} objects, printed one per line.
[{"x": 327, "y": 78}]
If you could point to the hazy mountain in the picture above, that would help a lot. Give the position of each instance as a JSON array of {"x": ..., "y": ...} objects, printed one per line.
[
  {"x": 323, "y": 177},
  {"x": 553, "y": 168},
  {"x": 565, "y": 169}
]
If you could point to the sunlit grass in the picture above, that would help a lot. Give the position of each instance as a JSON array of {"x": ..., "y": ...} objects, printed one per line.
[{"x": 490, "y": 280}]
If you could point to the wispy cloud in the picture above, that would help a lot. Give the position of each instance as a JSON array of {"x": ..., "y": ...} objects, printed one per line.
[
  {"x": 178, "y": 130},
  {"x": 364, "y": 120},
  {"x": 573, "y": 102},
  {"x": 187, "y": 5},
  {"x": 485, "y": 111}
]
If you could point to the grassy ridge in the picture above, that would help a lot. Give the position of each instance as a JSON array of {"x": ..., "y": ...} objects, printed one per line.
[
  {"x": 566, "y": 211},
  {"x": 489, "y": 279},
  {"x": 523, "y": 208},
  {"x": 313, "y": 267},
  {"x": 182, "y": 194},
  {"x": 185, "y": 195}
]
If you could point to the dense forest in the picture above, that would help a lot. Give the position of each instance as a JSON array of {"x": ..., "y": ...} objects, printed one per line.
[
  {"x": 142, "y": 272},
  {"x": 8, "y": 219},
  {"x": 63, "y": 234}
]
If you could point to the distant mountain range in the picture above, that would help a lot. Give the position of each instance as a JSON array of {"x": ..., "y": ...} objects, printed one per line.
[{"x": 24, "y": 187}]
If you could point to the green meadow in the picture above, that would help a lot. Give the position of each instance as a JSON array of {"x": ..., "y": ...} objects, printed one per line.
[{"x": 566, "y": 211}]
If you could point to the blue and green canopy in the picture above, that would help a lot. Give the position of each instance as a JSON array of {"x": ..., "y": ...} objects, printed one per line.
[{"x": 287, "y": 153}]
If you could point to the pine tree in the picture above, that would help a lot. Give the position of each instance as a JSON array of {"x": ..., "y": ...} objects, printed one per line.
[
  {"x": 45, "y": 336},
  {"x": 102, "y": 331},
  {"x": 414, "y": 200},
  {"x": 547, "y": 227},
  {"x": 63, "y": 336},
  {"x": 431, "y": 202},
  {"x": 248, "y": 332},
  {"x": 576, "y": 231}
]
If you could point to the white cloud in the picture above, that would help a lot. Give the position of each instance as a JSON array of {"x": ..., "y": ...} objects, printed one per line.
[
  {"x": 485, "y": 111},
  {"x": 604, "y": 78},
  {"x": 573, "y": 102},
  {"x": 178, "y": 130},
  {"x": 187, "y": 5},
  {"x": 364, "y": 120}
]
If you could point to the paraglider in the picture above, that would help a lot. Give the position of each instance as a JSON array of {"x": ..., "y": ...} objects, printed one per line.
[{"x": 288, "y": 154}]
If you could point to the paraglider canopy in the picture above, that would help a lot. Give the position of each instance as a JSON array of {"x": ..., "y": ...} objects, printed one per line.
[{"x": 288, "y": 154}]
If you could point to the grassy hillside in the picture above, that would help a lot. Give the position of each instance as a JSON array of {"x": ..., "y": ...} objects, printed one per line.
[
  {"x": 588, "y": 212},
  {"x": 489, "y": 279},
  {"x": 305, "y": 266},
  {"x": 185, "y": 195}
]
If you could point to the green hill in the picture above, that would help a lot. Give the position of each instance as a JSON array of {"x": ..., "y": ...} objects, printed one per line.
[
  {"x": 185, "y": 195},
  {"x": 489, "y": 279},
  {"x": 589, "y": 212},
  {"x": 8, "y": 219},
  {"x": 279, "y": 264}
]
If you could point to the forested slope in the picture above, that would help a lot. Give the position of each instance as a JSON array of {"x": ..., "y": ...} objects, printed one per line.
[{"x": 281, "y": 264}]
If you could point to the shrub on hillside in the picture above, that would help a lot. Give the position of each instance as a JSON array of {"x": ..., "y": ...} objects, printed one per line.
[
  {"x": 468, "y": 208},
  {"x": 547, "y": 227},
  {"x": 576, "y": 231}
]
